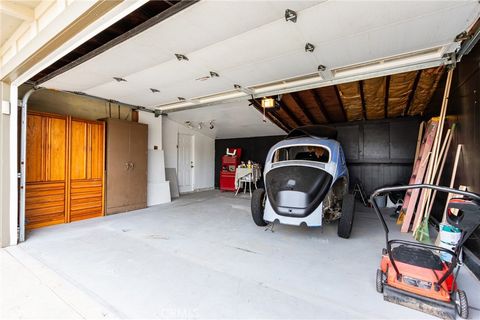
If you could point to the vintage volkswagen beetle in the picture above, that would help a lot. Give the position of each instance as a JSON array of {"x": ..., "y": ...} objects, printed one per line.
[{"x": 306, "y": 182}]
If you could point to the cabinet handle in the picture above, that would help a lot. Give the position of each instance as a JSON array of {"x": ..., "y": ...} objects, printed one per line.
[
  {"x": 132, "y": 165},
  {"x": 127, "y": 165}
]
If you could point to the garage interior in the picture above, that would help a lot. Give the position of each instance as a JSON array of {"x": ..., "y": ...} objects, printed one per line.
[{"x": 124, "y": 211}]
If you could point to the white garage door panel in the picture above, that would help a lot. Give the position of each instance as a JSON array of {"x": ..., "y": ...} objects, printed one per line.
[{"x": 249, "y": 43}]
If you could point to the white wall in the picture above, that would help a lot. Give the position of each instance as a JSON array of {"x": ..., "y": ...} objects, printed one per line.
[
  {"x": 203, "y": 153},
  {"x": 158, "y": 189}
]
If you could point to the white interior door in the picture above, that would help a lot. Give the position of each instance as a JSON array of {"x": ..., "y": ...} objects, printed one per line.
[{"x": 185, "y": 162}]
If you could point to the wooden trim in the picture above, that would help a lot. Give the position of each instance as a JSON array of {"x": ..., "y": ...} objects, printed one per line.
[
  {"x": 320, "y": 106},
  {"x": 362, "y": 98},
  {"x": 67, "y": 169},
  {"x": 301, "y": 106},
  {"x": 116, "y": 41},
  {"x": 340, "y": 103},
  {"x": 47, "y": 114},
  {"x": 387, "y": 91},
  {"x": 104, "y": 172},
  {"x": 412, "y": 93}
]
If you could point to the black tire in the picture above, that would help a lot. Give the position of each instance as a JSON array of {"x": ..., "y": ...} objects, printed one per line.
[
  {"x": 257, "y": 205},
  {"x": 461, "y": 304},
  {"x": 346, "y": 219},
  {"x": 379, "y": 281}
]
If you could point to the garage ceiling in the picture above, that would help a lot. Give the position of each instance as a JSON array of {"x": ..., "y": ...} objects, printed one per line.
[
  {"x": 254, "y": 50},
  {"x": 403, "y": 94},
  {"x": 231, "y": 120}
]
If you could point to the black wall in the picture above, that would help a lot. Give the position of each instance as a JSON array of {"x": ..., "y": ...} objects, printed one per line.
[
  {"x": 378, "y": 152},
  {"x": 254, "y": 149},
  {"x": 464, "y": 109}
]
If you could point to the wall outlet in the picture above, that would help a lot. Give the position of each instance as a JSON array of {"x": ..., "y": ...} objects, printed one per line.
[{"x": 5, "y": 107}]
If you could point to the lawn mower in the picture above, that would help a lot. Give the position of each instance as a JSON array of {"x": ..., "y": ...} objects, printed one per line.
[{"x": 417, "y": 275}]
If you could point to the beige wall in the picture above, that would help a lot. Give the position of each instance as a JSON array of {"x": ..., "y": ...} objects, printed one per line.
[
  {"x": 74, "y": 105},
  {"x": 4, "y": 170}
]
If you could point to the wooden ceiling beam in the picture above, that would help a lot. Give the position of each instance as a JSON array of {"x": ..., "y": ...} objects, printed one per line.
[
  {"x": 340, "y": 103},
  {"x": 412, "y": 93},
  {"x": 272, "y": 117},
  {"x": 290, "y": 114},
  {"x": 362, "y": 97},
  {"x": 320, "y": 106},
  {"x": 387, "y": 90},
  {"x": 298, "y": 101}
]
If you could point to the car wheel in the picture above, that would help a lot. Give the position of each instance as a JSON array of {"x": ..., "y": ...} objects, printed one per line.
[
  {"x": 461, "y": 304},
  {"x": 257, "y": 205},
  {"x": 346, "y": 219},
  {"x": 379, "y": 281}
]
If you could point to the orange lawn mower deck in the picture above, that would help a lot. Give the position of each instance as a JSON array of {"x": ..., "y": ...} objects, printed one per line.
[{"x": 414, "y": 275}]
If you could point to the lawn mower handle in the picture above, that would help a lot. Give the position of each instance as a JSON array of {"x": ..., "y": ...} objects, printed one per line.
[{"x": 414, "y": 186}]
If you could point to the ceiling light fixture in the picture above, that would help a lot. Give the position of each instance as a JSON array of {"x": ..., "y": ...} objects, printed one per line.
[
  {"x": 268, "y": 103},
  {"x": 309, "y": 47},
  {"x": 290, "y": 15},
  {"x": 154, "y": 90},
  {"x": 181, "y": 57},
  {"x": 189, "y": 124},
  {"x": 118, "y": 79}
]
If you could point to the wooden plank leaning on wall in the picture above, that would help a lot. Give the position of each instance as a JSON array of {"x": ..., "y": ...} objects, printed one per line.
[{"x": 65, "y": 169}]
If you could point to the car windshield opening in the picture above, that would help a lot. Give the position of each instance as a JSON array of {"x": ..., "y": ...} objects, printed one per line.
[{"x": 305, "y": 153}]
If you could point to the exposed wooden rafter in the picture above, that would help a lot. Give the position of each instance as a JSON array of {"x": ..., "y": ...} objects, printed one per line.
[
  {"x": 320, "y": 106},
  {"x": 412, "y": 93},
  {"x": 362, "y": 97},
  {"x": 391, "y": 95},
  {"x": 387, "y": 89},
  {"x": 340, "y": 103},
  {"x": 303, "y": 108},
  {"x": 273, "y": 117},
  {"x": 290, "y": 114}
]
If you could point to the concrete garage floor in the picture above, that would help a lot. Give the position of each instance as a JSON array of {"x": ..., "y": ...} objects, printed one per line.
[{"x": 201, "y": 257}]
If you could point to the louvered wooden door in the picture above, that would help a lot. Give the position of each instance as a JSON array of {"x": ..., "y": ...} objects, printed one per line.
[
  {"x": 64, "y": 169},
  {"x": 86, "y": 169},
  {"x": 46, "y": 170}
]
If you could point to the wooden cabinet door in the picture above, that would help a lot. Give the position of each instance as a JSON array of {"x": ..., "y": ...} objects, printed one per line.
[
  {"x": 86, "y": 169},
  {"x": 118, "y": 157},
  {"x": 45, "y": 170},
  {"x": 138, "y": 166}
]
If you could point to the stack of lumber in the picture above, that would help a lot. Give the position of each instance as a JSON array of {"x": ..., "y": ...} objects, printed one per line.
[{"x": 433, "y": 146}]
